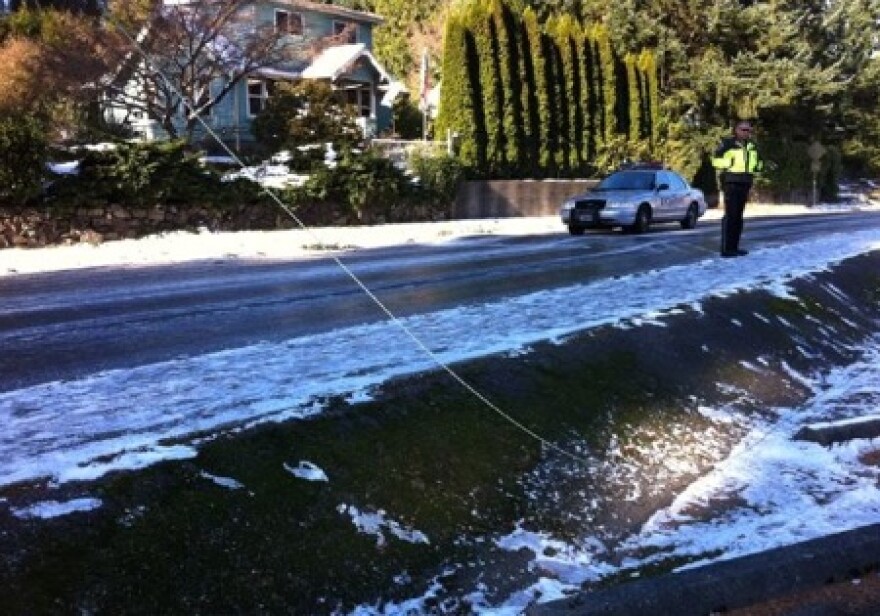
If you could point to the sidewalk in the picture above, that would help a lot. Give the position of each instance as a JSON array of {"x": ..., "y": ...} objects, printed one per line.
[{"x": 761, "y": 210}]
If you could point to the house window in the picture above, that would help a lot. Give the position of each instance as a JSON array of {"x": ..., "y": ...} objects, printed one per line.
[
  {"x": 288, "y": 23},
  {"x": 257, "y": 95},
  {"x": 346, "y": 30},
  {"x": 361, "y": 100}
]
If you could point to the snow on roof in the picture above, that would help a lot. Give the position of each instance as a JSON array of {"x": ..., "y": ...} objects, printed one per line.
[
  {"x": 336, "y": 60},
  {"x": 277, "y": 73},
  {"x": 392, "y": 91}
]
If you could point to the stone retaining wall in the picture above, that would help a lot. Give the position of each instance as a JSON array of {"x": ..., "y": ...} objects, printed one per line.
[
  {"x": 36, "y": 227},
  {"x": 513, "y": 198}
]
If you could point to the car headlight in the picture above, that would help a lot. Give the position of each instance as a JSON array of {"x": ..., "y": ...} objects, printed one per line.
[{"x": 568, "y": 206}]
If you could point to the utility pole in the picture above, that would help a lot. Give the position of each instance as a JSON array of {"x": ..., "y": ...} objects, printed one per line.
[{"x": 424, "y": 85}]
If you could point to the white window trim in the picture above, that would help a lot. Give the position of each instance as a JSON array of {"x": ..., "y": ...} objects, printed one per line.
[{"x": 264, "y": 95}]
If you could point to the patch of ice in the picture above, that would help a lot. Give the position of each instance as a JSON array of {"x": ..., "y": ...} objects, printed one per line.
[
  {"x": 128, "y": 461},
  {"x": 715, "y": 415},
  {"x": 376, "y": 523},
  {"x": 307, "y": 470},
  {"x": 54, "y": 509},
  {"x": 224, "y": 482}
]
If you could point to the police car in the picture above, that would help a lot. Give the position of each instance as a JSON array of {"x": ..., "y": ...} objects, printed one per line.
[{"x": 634, "y": 199}]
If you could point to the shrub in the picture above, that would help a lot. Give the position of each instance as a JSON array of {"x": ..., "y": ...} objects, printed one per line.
[
  {"x": 439, "y": 176},
  {"x": 364, "y": 185},
  {"x": 23, "y": 156},
  {"x": 139, "y": 174}
]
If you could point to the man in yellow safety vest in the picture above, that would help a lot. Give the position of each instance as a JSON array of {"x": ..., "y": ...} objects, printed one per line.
[{"x": 738, "y": 160}]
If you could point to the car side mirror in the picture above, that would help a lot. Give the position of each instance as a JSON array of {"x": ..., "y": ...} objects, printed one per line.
[{"x": 663, "y": 187}]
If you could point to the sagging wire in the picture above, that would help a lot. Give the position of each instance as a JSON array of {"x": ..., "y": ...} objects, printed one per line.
[{"x": 363, "y": 287}]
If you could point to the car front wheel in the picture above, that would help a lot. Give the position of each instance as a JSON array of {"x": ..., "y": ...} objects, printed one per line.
[
  {"x": 690, "y": 220},
  {"x": 575, "y": 230},
  {"x": 642, "y": 222}
]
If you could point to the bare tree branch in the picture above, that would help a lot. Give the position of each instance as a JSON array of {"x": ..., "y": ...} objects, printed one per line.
[{"x": 192, "y": 46}]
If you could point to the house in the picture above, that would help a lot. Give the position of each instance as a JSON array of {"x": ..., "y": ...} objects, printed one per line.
[{"x": 335, "y": 46}]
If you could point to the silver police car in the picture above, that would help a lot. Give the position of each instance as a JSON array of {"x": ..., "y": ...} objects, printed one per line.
[{"x": 634, "y": 199}]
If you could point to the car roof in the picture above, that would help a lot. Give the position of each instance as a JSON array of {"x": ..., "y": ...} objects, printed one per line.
[
  {"x": 642, "y": 166},
  {"x": 634, "y": 172}
]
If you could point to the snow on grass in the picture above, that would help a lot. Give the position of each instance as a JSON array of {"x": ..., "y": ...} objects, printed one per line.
[
  {"x": 54, "y": 509},
  {"x": 307, "y": 470}
]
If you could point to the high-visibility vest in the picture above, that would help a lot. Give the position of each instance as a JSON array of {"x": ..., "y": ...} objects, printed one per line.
[{"x": 737, "y": 160}]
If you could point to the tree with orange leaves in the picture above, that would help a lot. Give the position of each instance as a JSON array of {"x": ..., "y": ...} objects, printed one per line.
[{"x": 53, "y": 61}]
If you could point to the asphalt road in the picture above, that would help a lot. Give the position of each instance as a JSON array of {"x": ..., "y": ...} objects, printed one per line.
[{"x": 64, "y": 325}]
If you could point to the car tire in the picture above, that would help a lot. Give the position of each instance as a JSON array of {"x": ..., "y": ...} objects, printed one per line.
[
  {"x": 642, "y": 222},
  {"x": 576, "y": 230},
  {"x": 690, "y": 219}
]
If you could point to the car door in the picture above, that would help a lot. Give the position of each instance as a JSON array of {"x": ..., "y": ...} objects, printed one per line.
[
  {"x": 677, "y": 196},
  {"x": 665, "y": 197}
]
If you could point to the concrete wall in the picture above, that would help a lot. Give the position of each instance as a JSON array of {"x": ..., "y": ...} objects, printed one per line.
[{"x": 514, "y": 198}]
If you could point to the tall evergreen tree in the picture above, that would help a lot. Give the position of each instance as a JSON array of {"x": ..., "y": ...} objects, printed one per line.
[
  {"x": 534, "y": 97},
  {"x": 460, "y": 110}
]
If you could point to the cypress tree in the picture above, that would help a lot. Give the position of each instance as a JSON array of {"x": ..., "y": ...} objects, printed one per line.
[
  {"x": 633, "y": 87},
  {"x": 608, "y": 84},
  {"x": 550, "y": 161},
  {"x": 591, "y": 96},
  {"x": 499, "y": 99},
  {"x": 565, "y": 31},
  {"x": 545, "y": 100},
  {"x": 557, "y": 30},
  {"x": 475, "y": 93},
  {"x": 480, "y": 26},
  {"x": 514, "y": 125},
  {"x": 457, "y": 112},
  {"x": 647, "y": 63},
  {"x": 577, "y": 102},
  {"x": 621, "y": 108},
  {"x": 535, "y": 95},
  {"x": 603, "y": 85}
]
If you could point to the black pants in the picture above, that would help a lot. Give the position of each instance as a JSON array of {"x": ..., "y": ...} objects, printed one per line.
[{"x": 735, "y": 197}]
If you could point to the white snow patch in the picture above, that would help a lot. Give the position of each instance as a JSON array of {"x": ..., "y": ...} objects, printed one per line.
[
  {"x": 54, "y": 509},
  {"x": 223, "y": 482},
  {"x": 377, "y": 524},
  {"x": 307, "y": 470}
]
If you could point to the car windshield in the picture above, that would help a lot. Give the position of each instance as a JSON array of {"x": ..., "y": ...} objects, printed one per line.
[{"x": 628, "y": 180}]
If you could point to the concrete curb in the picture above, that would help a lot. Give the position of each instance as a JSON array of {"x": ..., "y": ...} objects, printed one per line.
[
  {"x": 830, "y": 433},
  {"x": 735, "y": 583}
]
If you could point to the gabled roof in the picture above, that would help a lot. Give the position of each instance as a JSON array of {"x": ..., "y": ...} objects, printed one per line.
[
  {"x": 335, "y": 61},
  {"x": 332, "y": 9},
  {"x": 305, "y": 5}
]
